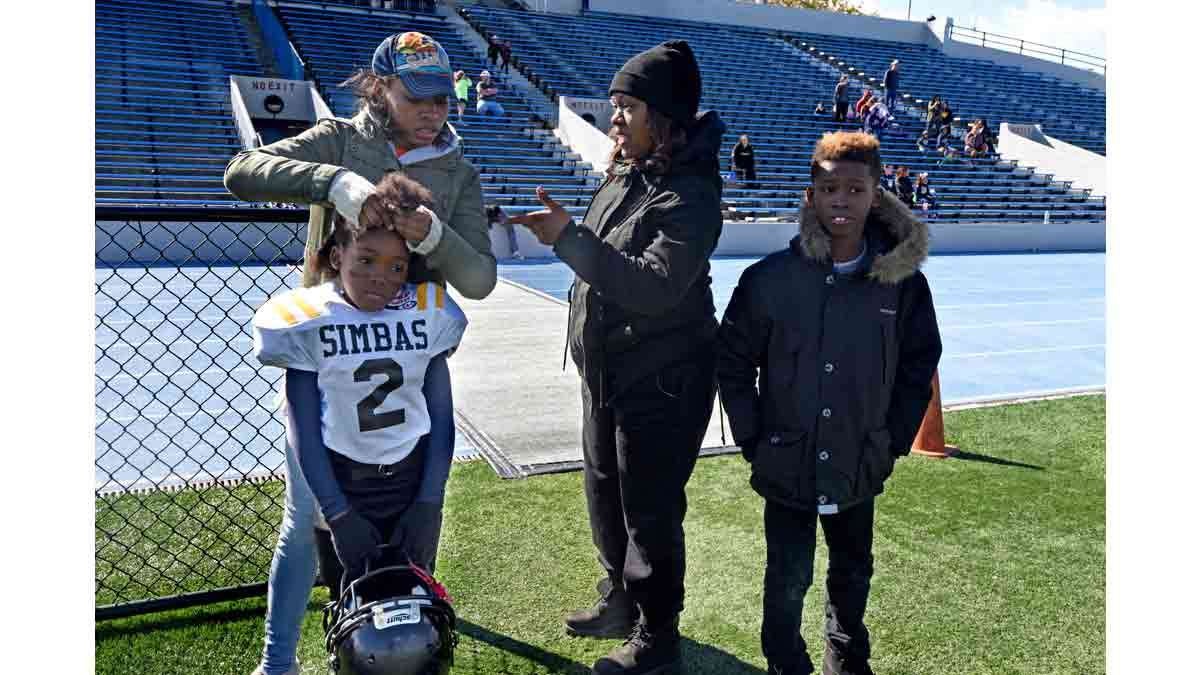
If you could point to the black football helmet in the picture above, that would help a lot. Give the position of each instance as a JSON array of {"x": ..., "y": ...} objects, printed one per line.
[{"x": 394, "y": 620}]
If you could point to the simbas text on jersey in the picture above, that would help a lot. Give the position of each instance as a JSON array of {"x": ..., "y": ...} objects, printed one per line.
[{"x": 340, "y": 339}]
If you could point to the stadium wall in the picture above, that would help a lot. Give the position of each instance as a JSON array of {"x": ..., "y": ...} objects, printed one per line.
[
  {"x": 759, "y": 239},
  {"x": 186, "y": 243},
  {"x": 1029, "y": 146}
]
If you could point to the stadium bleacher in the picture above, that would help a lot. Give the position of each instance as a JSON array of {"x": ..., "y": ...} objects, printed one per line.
[
  {"x": 978, "y": 88},
  {"x": 164, "y": 127},
  {"x": 577, "y": 55},
  {"x": 165, "y": 130}
]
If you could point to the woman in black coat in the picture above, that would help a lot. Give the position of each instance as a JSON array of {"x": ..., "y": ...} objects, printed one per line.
[
  {"x": 742, "y": 158},
  {"x": 641, "y": 331}
]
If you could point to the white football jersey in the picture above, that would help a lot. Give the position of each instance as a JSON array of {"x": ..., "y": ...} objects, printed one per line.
[{"x": 370, "y": 365}]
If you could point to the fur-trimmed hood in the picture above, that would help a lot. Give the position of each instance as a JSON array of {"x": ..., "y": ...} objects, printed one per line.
[{"x": 897, "y": 241}]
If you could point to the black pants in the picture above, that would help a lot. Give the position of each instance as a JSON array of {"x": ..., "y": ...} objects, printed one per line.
[
  {"x": 791, "y": 542},
  {"x": 638, "y": 454},
  {"x": 379, "y": 498},
  {"x": 839, "y": 111},
  {"x": 747, "y": 175}
]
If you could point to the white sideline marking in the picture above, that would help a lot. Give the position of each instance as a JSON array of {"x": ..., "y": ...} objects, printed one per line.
[
  {"x": 992, "y": 400},
  {"x": 1001, "y": 324},
  {"x": 1073, "y": 301},
  {"x": 945, "y": 291},
  {"x": 1023, "y": 351}
]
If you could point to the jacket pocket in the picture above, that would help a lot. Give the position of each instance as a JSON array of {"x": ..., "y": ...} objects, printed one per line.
[
  {"x": 785, "y": 350},
  {"x": 876, "y": 463},
  {"x": 781, "y": 468}
]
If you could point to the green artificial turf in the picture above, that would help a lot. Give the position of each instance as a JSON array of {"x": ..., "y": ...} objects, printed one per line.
[{"x": 992, "y": 562}]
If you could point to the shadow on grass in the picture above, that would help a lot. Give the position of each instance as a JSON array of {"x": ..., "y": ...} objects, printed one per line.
[
  {"x": 558, "y": 664},
  {"x": 237, "y": 610},
  {"x": 972, "y": 457},
  {"x": 706, "y": 658}
]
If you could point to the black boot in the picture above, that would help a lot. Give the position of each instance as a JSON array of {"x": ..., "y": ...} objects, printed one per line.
[
  {"x": 648, "y": 651},
  {"x": 613, "y": 615},
  {"x": 836, "y": 664}
]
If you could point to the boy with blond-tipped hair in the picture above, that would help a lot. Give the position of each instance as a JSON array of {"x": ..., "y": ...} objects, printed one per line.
[{"x": 825, "y": 360}]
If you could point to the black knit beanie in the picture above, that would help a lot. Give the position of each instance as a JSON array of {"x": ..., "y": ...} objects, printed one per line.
[{"x": 666, "y": 77}]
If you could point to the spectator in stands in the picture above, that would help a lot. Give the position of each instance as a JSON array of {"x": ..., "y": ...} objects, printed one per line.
[
  {"x": 950, "y": 155},
  {"x": 925, "y": 196},
  {"x": 891, "y": 84},
  {"x": 975, "y": 141},
  {"x": 878, "y": 118},
  {"x": 641, "y": 331},
  {"x": 486, "y": 94},
  {"x": 933, "y": 116},
  {"x": 841, "y": 98},
  {"x": 904, "y": 186},
  {"x": 462, "y": 92},
  {"x": 493, "y": 50},
  {"x": 989, "y": 137},
  {"x": 505, "y": 55},
  {"x": 742, "y": 161},
  {"x": 945, "y": 122},
  {"x": 819, "y": 111},
  {"x": 864, "y": 103},
  {"x": 887, "y": 182},
  {"x": 334, "y": 167}
]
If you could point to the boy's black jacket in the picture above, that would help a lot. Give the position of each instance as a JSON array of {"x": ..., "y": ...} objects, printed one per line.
[
  {"x": 826, "y": 378},
  {"x": 642, "y": 298}
]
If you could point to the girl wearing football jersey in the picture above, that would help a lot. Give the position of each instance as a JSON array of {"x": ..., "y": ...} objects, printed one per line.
[
  {"x": 334, "y": 167},
  {"x": 355, "y": 349},
  {"x": 294, "y": 563}
]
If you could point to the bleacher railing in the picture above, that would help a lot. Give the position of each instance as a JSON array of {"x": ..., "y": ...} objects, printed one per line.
[
  {"x": 291, "y": 66},
  {"x": 188, "y": 443},
  {"x": 1038, "y": 50}
]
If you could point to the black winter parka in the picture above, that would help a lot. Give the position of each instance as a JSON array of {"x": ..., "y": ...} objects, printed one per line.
[{"x": 826, "y": 377}]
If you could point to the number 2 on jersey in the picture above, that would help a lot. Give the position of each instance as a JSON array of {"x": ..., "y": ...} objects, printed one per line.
[{"x": 368, "y": 418}]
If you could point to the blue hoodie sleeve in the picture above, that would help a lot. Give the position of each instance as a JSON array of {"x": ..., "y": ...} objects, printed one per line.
[
  {"x": 304, "y": 437},
  {"x": 440, "y": 449}
]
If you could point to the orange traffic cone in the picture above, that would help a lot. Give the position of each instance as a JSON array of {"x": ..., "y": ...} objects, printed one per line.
[{"x": 931, "y": 437}]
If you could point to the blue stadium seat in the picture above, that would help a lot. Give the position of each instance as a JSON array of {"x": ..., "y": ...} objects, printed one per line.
[
  {"x": 577, "y": 55},
  {"x": 164, "y": 123}
]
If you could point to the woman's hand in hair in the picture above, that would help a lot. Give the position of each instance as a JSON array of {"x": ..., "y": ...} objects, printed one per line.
[
  {"x": 401, "y": 196},
  {"x": 374, "y": 212},
  {"x": 547, "y": 225},
  {"x": 412, "y": 225},
  {"x": 382, "y": 211}
]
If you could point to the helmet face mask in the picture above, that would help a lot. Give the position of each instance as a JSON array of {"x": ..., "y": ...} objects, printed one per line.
[{"x": 395, "y": 620}]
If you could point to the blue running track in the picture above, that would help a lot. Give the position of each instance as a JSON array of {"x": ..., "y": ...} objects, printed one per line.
[{"x": 178, "y": 397}]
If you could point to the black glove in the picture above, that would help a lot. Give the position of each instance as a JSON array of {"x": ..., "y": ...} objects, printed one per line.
[
  {"x": 355, "y": 539},
  {"x": 418, "y": 531}
]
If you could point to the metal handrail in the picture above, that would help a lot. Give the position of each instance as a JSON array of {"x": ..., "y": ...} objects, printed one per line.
[{"x": 1035, "y": 49}]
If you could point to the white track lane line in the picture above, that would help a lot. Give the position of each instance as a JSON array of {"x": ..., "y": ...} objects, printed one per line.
[{"x": 1040, "y": 350}]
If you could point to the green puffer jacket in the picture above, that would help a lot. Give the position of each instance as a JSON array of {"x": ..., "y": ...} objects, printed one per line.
[{"x": 300, "y": 170}]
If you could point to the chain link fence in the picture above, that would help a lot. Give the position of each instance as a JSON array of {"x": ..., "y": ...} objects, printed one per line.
[{"x": 189, "y": 458}]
